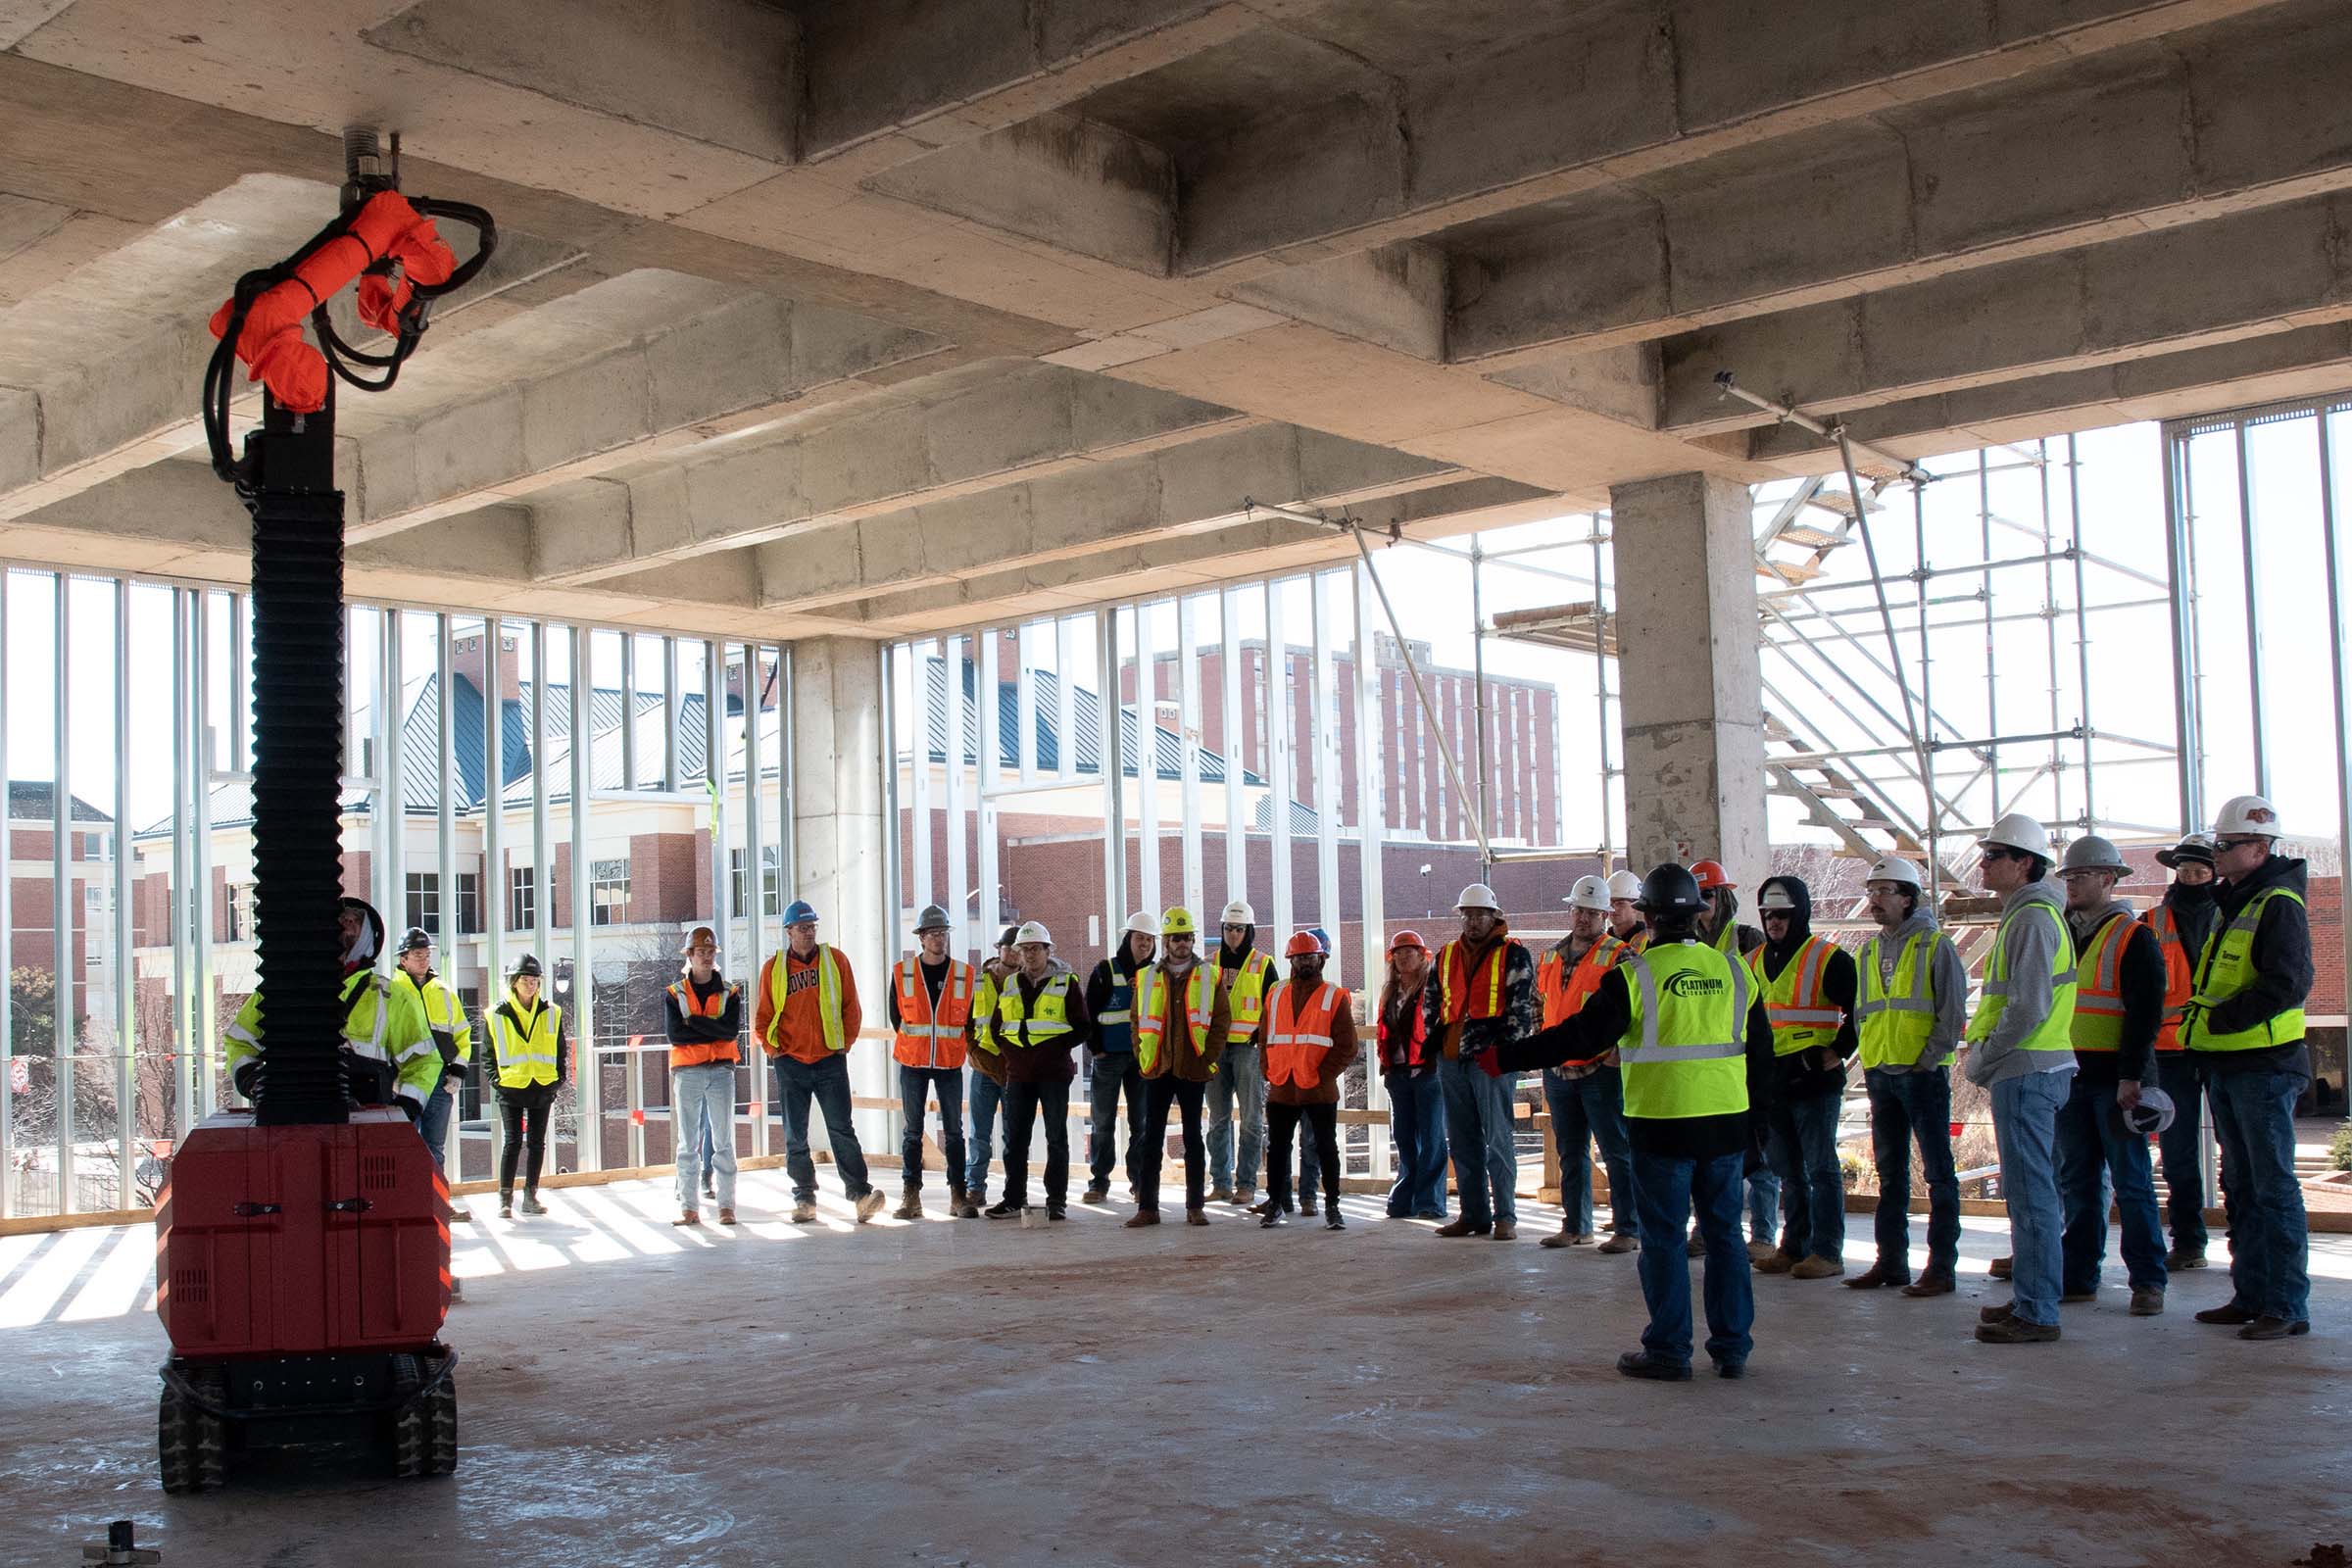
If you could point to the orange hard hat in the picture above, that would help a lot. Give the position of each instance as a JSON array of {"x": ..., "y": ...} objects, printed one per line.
[
  {"x": 1303, "y": 945},
  {"x": 1407, "y": 939},
  {"x": 1711, "y": 875}
]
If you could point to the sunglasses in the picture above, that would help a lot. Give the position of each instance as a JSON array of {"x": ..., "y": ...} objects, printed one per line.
[
  {"x": 2237, "y": 843},
  {"x": 1996, "y": 852}
]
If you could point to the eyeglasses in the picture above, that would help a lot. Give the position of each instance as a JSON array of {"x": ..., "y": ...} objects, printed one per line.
[{"x": 2237, "y": 843}]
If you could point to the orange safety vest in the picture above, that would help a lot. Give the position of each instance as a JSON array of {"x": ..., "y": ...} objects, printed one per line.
[
  {"x": 2099, "y": 987},
  {"x": 702, "y": 1052},
  {"x": 1565, "y": 991},
  {"x": 1801, "y": 1017},
  {"x": 926, "y": 1040},
  {"x": 2179, "y": 976},
  {"x": 1462, "y": 996},
  {"x": 1299, "y": 1037}
]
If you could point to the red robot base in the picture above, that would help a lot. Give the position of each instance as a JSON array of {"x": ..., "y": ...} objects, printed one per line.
[{"x": 303, "y": 1275}]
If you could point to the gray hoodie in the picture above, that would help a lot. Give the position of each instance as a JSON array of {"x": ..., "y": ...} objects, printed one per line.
[
  {"x": 2028, "y": 947},
  {"x": 1947, "y": 984}
]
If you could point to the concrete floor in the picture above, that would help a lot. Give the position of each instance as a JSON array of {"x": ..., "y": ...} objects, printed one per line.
[{"x": 974, "y": 1393}]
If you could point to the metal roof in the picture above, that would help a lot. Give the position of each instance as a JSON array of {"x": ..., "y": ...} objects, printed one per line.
[{"x": 1085, "y": 718}]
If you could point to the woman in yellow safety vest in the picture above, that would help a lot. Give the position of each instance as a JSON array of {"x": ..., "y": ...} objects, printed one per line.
[{"x": 530, "y": 1058}]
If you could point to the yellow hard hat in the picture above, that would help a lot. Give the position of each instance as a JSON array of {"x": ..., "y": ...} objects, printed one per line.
[{"x": 1176, "y": 922}]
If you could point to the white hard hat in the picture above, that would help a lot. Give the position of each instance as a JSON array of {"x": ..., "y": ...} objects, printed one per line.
[
  {"x": 1140, "y": 921},
  {"x": 2017, "y": 831},
  {"x": 2091, "y": 852},
  {"x": 2153, "y": 1114},
  {"x": 1238, "y": 912},
  {"x": 1032, "y": 931},
  {"x": 1624, "y": 885},
  {"x": 1895, "y": 868},
  {"x": 1775, "y": 897},
  {"x": 1478, "y": 895},
  {"x": 1590, "y": 893},
  {"x": 2246, "y": 813}
]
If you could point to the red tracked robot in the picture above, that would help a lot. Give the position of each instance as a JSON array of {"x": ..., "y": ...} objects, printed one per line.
[{"x": 302, "y": 1247}]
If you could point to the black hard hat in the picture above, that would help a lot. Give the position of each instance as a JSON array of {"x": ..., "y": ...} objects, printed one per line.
[
  {"x": 1671, "y": 890},
  {"x": 527, "y": 965},
  {"x": 1012, "y": 937},
  {"x": 413, "y": 937}
]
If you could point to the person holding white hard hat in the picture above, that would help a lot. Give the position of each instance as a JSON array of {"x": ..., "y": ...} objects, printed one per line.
[
  {"x": 1484, "y": 995},
  {"x": 1587, "y": 1099},
  {"x": 2118, "y": 1006},
  {"x": 2182, "y": 922},
  {"x": 1041, "y": 1016},
  {"x": 1914, "y": 1007},
  {"x": 1627, "y": 923},
  {"x": 1809, "y": 987},
  {"x": 1242, "y": 975},
  {"x": 2244, "y": 1029},
  {"x": 1110, "y": 1054},
  {"x": 2021, "y": 1046}
]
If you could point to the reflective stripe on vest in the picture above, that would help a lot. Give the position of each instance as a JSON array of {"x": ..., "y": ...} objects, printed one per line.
[
  {"x": 1801, "y": 1018},
  {"x": 2056, "y": 1031},
  {"x": 1298, "y": 1038},
  {"x": 1246, "y": 997},
  {"x": 1684, "y": 1052},
  {"x": 2228, "y": 968},
  {"x": 925, "y": 1038},
  {"x": 1151, "y": 1008},
  {"x": 829, "y": 996},
  {"x": 2099, "y": 995},
  {"x": 1726, "y": 940},
  {"x": 1895, "y": 1025},
  {"x": 1048, "y": 1025},
  {"x": 1567, "y": 990},
  {"x": 1117, "y": 1017},
  {"x": 1462, "y": 996},
  {"x": 2180, "y": 980},
  {"x": 700, "y": 1052},
  {"x": 526, "y": 1055}
]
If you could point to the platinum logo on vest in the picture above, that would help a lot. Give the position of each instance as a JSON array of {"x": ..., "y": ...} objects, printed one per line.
[{"x": 1688, "y": 984}]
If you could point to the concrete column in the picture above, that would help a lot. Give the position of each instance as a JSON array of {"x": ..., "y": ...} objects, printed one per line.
[
  {"x": 837, "y": 807},
  {"x": 1689, "y": 673}
]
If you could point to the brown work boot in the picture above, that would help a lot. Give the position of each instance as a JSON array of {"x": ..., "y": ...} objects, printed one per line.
[
  {"x": 1193, "y": 1216},
  {"x": 1222, "y": 1195},
  {"x": 1095, "y": 1194},
  {"x": 1775, "y": 1261},
  {"x": 1695, "y": 1245},
  {"x": 1568, "y": 1236},
  {"x": 1934, "y": 1282},
  {"x": 690, "y": 1217},
  {"x": 1876, "y": 1277},
  {"x": 1996, "y": 1314},
  {"x": 804, "y": 1213},
  {"x": 910, "y": 1205},
  {"x": 1142, "y": 1217},
  {"x": 1817, "y": 1267},
  {"x": 2015, "y": 1330},
  {"x": 1306, "y": 1207},
  {"x": 2230, "y": 1314},
  {"x": 1462, "y": 1227},
  {"x": 1998, "y": 1268},
  {"x": 1622, "y": 1242},
  {"x": 2180, "y": 1258},
  {"x": 1757, "y": 1251},
  {"x": 2147, "y": 1302},
  {"x": 1506, "y": 1230},
  {"x": 726, "y": 1216}
]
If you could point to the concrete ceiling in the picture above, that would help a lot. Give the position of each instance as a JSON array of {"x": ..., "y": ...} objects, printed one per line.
[{"x": 907, "y": 314}]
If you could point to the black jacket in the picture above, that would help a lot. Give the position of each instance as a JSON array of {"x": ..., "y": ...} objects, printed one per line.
[
  {"x": 697, "y": 1030},
  {"x": 1602, "y": 1022},
  {"x": 1108, "y": 972},
  {"x": 1798, "y": 1076},
  {"x": 2282, "y": 959}
]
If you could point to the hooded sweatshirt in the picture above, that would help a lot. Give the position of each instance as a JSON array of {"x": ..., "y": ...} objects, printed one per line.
[
  {"x": 1052, "y": 1060},
  {"x": 1748, "y": 938},
  {"x": 1800, "y": 1074},
  {"x": 1111, "y": 973},
  {"x": 2281, "y": 960},
  {"x": 1947, "y": 983},
  {"x": 2140, "y": 974},
  {"x": 2031, "y": 947}
]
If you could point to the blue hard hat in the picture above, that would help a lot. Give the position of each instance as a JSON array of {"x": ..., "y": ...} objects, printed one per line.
[{"x": 797, "y": 910}]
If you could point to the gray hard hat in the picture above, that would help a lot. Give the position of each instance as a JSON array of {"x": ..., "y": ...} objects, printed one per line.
[
  {"x": 2091, "y": 852},
  {"x": 933, "y": 919}
]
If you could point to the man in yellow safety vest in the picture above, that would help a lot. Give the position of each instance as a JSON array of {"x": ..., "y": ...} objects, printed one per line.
[
  {"x": 1809, "y": 984},
  {"x": 806, "y": 1019},
  {"x": 1238, "y": 1092},
  {"x": 1040, "y": 1018}
]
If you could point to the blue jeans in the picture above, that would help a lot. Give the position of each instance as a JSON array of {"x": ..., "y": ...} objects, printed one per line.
[
  {"x": 703, "y": 1097},
  {"x": 1585, "y": 1111},
  {"x": 827, "y": 1082},
  {"x": 1478, "y": 1124},
  {"x": 1114, "y": 1074},
  {"x": 2181, "y": 1148},
  {"x": 1764, "y": 1206},
  {"x": 1240, "y": 1081},
  {"x": 1665, "y": 1191},
  {"x": 1024, "y": 1103},
  {"x": 2025, "y": 1127},
  {"x": 986, "y": 1095},
  {"x": 433, "y": 1125},
  {"x": 2093, "y": 1146},
  {"x": 2254, "y": 1112},
  {"x": 1907, "y": 1108},
  {"x": 1802, "y": 1145},
  {"x": 915, "y": 1085},
  {"x": 1417, "y": 1121}
]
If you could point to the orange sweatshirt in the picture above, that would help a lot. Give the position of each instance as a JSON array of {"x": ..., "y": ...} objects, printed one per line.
[{"x": 802, "y": 1034}]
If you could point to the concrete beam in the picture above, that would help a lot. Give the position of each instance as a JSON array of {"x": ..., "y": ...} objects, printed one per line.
[
  {"x": 2265, "y": 272},
  {"x": 893, "y": 78},
  {"x": 2212, "y": 122},
  {"x": 1620, "y": 93},
  {"x": 955, "y": 434},
  {"x": 1182, "y": 492},
  {"x": 1074, "y": 183},
  {"x": 1236, "y": 551}
]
